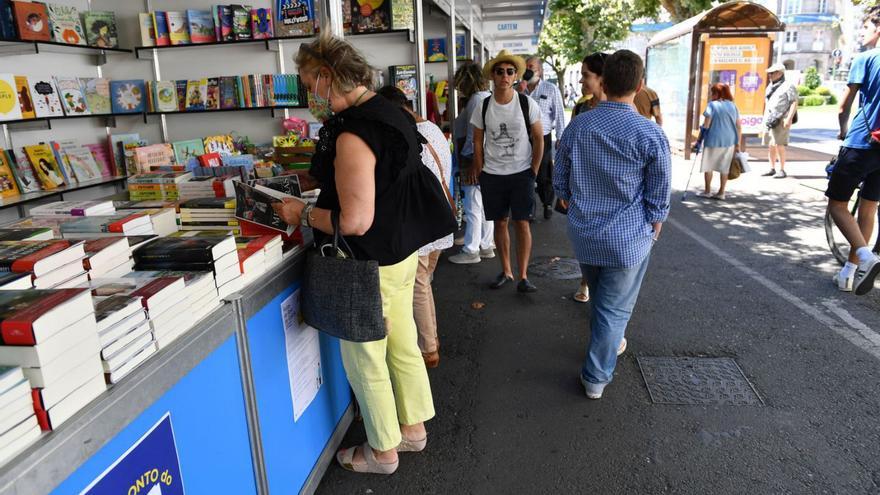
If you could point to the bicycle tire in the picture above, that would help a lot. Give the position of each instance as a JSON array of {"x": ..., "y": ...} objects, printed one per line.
[{"x": 840, "y": 249}]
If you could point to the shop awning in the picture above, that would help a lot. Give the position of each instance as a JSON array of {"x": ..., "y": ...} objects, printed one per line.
[{"x": 730, "y": 16}]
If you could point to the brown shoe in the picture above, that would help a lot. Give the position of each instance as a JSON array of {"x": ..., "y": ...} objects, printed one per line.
[{"x": 432, "y": 359}]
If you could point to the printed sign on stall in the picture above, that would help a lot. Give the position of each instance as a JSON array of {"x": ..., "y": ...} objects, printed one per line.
[
  {"x": 150, "y": 467},
  {"x": 742, "y": 64}
]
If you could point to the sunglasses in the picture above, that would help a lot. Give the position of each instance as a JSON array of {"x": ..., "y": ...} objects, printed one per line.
[{"x": 501, "y": 72}]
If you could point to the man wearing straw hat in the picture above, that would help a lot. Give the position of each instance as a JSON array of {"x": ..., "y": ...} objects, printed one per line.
[
  {"x": 508, "y": 147},
  {"x": 779, "y": 115}
]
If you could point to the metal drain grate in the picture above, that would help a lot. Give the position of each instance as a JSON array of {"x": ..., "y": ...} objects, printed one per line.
[
  {"x": 555, "y": 267},
  {"x": 696, "y": 380}
]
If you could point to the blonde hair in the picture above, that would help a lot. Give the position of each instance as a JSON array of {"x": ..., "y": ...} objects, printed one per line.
[
  {"x": 469, "y": 79},
  {"x": 347, "y": 64}
]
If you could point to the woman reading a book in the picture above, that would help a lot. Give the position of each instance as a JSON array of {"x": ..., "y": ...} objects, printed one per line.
[{"x": 368, "y": 165}]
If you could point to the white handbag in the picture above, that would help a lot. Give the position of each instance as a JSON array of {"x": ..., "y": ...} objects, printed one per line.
[{"x": 744, "y": 161}]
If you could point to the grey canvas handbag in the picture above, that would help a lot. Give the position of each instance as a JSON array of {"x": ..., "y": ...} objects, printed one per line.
[{"x": 341, "y": 294}]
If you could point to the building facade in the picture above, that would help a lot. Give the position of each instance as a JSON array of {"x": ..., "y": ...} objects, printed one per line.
[{"x": 813, "y": 36}]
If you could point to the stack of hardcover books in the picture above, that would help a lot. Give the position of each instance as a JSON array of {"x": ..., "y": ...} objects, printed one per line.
[
  {"x": 52, "y": 264},
  {"x": 207, "y": 187},
  {"x": 53, "y": 336},
  {"x": 18, "y": 423},
  {"x": 156, "y": 186},
  {"x": 257, "y": 254},
  {"x": 125, "y": 334},
  {"x": 107, "y": 257},
  {"x": 160, "y": 221},
  {"x": 201, "y": 291},
  {"x": 209, "y": 214}
]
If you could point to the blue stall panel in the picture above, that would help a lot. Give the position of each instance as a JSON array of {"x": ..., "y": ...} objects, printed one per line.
[
  {"x": 207, "y": 413},
  {"x": 291, "y": 449}
]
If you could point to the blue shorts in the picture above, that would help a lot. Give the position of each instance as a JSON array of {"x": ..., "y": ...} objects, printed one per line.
[{"x": 508, "y": 195}]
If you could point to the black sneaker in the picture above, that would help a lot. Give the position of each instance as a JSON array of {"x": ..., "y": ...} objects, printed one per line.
[
  {"x": 500, "y": 281},
  {"x": 548, "y": 212},
  {"x": 771, "y": 173},
  {"x": 866, "y": 273},
  {"x": 525, "y": 286},
  {"x": 780, "y": 175}
]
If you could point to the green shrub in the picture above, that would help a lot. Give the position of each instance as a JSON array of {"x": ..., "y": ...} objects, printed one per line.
[
  {"x": 823, "y": 90},
  {"x": 831, "y": 100},
  {"x": 801, "y": 100},
  {"x": 811, "y": 78},
  {"x": 814, "y": 101},
  {"x": 804, "y": 91}
]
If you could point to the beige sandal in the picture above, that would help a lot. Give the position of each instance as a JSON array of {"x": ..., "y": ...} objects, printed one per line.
[
  {"x": 345, "y": 458},
  {"x": 412, "y": 445},
  {"x": 582, "y": 295}
]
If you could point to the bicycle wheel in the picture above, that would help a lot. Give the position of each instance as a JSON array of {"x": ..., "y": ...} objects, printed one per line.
[{"x": 837, "y": 242}]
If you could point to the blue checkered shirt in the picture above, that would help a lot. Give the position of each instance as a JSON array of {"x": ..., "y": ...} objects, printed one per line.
[{"x": 614, "y": 168}]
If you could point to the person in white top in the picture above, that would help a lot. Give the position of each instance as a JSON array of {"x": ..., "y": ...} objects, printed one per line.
[{"x": 437, "y": 157}]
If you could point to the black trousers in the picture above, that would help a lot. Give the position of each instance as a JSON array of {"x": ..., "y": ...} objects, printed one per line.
[{"x": 544, "y": 179}]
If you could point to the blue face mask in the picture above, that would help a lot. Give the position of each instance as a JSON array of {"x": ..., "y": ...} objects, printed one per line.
[{"x": 319, "y": 106}]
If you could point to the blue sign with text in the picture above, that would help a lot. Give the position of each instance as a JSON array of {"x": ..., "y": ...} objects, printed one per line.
[{"x": 150, "y": 467}]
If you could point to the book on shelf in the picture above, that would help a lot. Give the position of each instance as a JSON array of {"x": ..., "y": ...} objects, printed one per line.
[
  {"x": 50, "y": 262},
  {"x": 24, "y": 173},
  {"x": 254, "y": 204},
  {"x": 82, "y": 162},
  {"x": 16, "y": 281},
  {"x": 105, "y": 254},
  {"x": 58, "y": 149},
  {"x": 201, "y": 26},
  {"x": 71, "y": 93},
  {"x": 96, "y": 91},
  {"x": 32, "y": 21},
  {"x": 196, "y": 94},
  {"x": 402, "y": 14},
  {"x": 165, "y": 96},
  {"x": 200, "y": 289},
  {"x": 128, "y": 96},
  {"x": 100, "y": 28},
  {"x": 53, "y": 223},
  {"x": 207, "y": 186},
  {"x": 251, "y": 262},
  {"x": 261, "y": 24},
  {"x": 163, "y": 220},
  {"x": 107, "y": 225},
  {"x": 211, "y": 205},
  {"x": 46, "y": 168},
  {"x": 65, "y": 24},
  {"x": 132, "y": 363},
  {"x": 126, "y": 348},
  {"x": 143, "y": 205},
  {"x": 102, "y": 157},
  {"x": 223, "y": 22},
  {"x": 32, "y": 317},
  {"x": 45, "y": 97},
  {"x": 403, "y": 77},
  {"x": 80, "y": 350},
  {"x": 370, "y": 16},
  {"x": 212, "y": 94},
  {"x": 7, "y": 21},
  {"x": 116, "y": 313},
  {"x": 75, "y": 208},
  {"x": 241, "y": 22},
  {"x": 210, "y": 160},
  {"x": 8, "y": 182},
  {"x": 188, "y": 150},
  {"x": 294, "y": 18},
  {"x": 160, "y": 28},
  {"x": 8, "y": 93},
  {"x": 153, "y": 156},
  {"x": 12, "y": 384},
  {"x": 117, "y": 151},
  {"x": 222, "y": 144},
  {"x": 148, "y": 30},
  {"x": 26, "y": 234},
  {"x": 178, "y": 30},
  {"x": 25, "y": 102}
]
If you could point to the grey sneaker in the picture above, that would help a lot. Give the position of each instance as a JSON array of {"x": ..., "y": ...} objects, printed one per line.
[
  {"x": 464, "y": 258},
  {"x": 593, "y": 390},
  {"x": 844, "y": 284},
  {"x": 867, "y": 271},
  {"x": 487, "y": 253}
]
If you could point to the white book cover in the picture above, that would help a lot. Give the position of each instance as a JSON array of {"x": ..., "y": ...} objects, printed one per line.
[
  {"x": 19, "y": 437},
  {"x": 55, "y": 347},
  {"x": 83, "y": 163},
  {"x": 72, "y": 97},
  {"x": 40, "y": 377},
  {"x": 47, "y": 103},
  {"x": 9, "y": 107},
  {"x": 66, "y": 25}
]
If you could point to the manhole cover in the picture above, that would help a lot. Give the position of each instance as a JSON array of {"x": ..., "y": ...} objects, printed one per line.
[
  {"x": 555, "y": 267},
  {"x": 689, "y": 380}
]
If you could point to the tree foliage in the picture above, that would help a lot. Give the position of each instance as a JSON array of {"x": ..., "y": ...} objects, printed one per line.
[{"x": 678, "y": 10}]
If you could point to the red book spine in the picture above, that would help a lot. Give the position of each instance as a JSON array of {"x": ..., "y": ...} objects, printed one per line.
[
  {"x": 26, "y": 263},
  {"x": 116, "y": 227},
  {"x": 153, "y": 288},
  {"x": 18, "y": 328},
  {"x": 38, "y": 399},
  {"x": 43, "y": 420}
]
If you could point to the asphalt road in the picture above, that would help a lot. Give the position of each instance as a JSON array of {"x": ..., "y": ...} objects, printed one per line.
[{"x": 748, "y": 278}]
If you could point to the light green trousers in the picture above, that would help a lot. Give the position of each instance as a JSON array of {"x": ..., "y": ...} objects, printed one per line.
[{"x": 388, "y": 376}]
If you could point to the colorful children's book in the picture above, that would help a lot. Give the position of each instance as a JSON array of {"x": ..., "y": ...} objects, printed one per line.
[
  {"x": 97, "y": 94},
  {"x": 223, "y": 22},
  {"x": 178, "y": 29},
  {"x": 184, "y": 151},
  {"x": 117, "y": 151},
  {"x": 294, "y": 18},
  {"x": 261, "y": 24},
  {"x": 128, "y": 96},
  {"x": 45, "y": 166},
  {"x": 222, "y": 144},
  {"x": 32, "y": 21},
  {"x": 72, "y": 96},
  {"x": 153, "y": 156},
  {"x": 402, "y": 14},
  {"x": 160, "y": 28},
  {"x": 241, "y": 22},
  {"x": 165, "y": 97},
  {"x": 196, "y": 94},
  {"x": 25, "y": 101},
  {"x": 8, "y": 185},
  {"x": 83, "y": 163},
  {"x": 102, "y": 157},
  {"x": 65, "y": 24},
  {"x": 227, "y": 92},
  {"x": 201, "y": 26},
  {"x": 58, "y": 149},
  {"x": 24, "y": 173},
  {"x": 7, "y": 21},
  {"x": 45, "y": 97},
  {"x": 9, "y": 107},
  {"x": 212, "y": 101},
  {"x": 148, "y": 30},
  {"x": 370, "y": 16},
  {"x": 100, "y": 27}
]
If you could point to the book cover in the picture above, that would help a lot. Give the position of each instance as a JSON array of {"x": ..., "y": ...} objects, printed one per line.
[
  {"x": 224, "y": 26},
  {"x": 9, "y": 107},
  {"x": 287, "y": 184},
  {"x": 153, "y": 156},
  {"x": 222, "y": 144},
  {"x": 201, "y": 26},
  {"x": 127, "y": 96},
  {"x": 183, "y": 250},
  {"x": 45, "y": 98},
  {"x": 19, "y": 310},
  {"x": 212, "y": 100},
  {"x": 261, "y": 24},
  {"x": 45, "y": 166},
  {"x": 58, "y": 149},
  {"x": 435, "y": 50},
  {"x": 21, "y": 256},
  {"x": 166, "y": 96},
  {"x": 241, "y": 22},
  {"x": 294, "y": 18},
  {"x": 148, "y": 30},
  {"x": 100, "y": 28},
  {"x": 65, "y": 24},
  {"x": 7, "y": 21},
  {"x": 83, "y": 163},
  {"x": 117, "y": 151},
  {"x": 32, "y": 21},
  {"x": 72, "y": 98},
  {"x": 25, "y": 102},
  {"x": 102, "y": 157},
  {"x": 209, "y": 160},
  {"x": 403, "y": 77},
  {"x": 254, "y": 204},
  {"x": 185, "y": 151},
  {"x": 24, "y": 173},
  {"x": 96, "y": 91},
  {"x": 178, "y": 28},
  {"x": 160, "y": 28},
  {"x": 181, "y": 94},
  {"x": 208, "y": 203},
  {"x": 370, "y": 16},
  {"x": 196, "y": 94},
  {"x": 227, "y": 93},
  {"x": 8, "y": 185},
  {"x": 402, "y": 14}
]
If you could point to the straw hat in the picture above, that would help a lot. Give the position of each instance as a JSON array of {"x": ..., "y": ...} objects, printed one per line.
[
  {"x": 777, "y": 67},
  {"x": 505, "y": 57}
]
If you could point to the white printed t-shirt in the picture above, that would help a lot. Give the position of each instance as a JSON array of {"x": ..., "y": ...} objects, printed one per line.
[{"x": 506, "y": 148}]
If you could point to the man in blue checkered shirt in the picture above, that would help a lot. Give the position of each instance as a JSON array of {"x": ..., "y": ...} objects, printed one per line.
[{"x": 613, "y": 173}]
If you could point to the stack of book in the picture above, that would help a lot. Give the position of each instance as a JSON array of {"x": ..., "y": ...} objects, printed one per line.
[
  {"x": 163, "y": 220},
  {"x": 53, "y": 336},
  {"x": 195, "y": 251},
  {"x": 16, "y": 281},
  {"x": 18, "y": 423},
  {"x": 164, "y": 298},
  {"x": 207, "y": 187},
  {"x": 125, "y": 335},
  {"x": 201, "y": 291},
  {"x": 156, "y": 186},
  {"x": 107, "y": 257},
  {"x": 124, "y": 222},
  {"x": 74, "y": 209},
  {"x": 51, "y": 264},
  {"x": 257, "y": 254},
  {"x": 208, "y": 214}
]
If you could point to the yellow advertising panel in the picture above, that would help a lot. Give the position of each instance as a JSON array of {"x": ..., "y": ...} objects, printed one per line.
[{"x": 742, "y": 64}]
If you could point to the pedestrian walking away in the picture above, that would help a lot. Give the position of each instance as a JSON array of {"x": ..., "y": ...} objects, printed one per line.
[
  {"x": 508, "y": 148},
  {"x": 552, "y": 119},
  {"x": 613, "y": 167},
  {"x": 780, "y": 112},
  {"x": 719, "y": 137},
  {"x": 858, "y": 162}
]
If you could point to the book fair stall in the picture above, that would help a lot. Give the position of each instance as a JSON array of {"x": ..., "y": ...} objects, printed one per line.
[{"x": 151, "y": 339}]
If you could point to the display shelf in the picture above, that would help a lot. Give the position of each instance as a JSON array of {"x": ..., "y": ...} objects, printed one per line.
[
  {"x": 265, "y": 42},
  {"x": 49, "y": 120},
  {"x": 33, "y": 196},
  {"x": 20, "y": 47},
  {"x": 194, "y": 112},
  {"x": 409, "y": 32}
]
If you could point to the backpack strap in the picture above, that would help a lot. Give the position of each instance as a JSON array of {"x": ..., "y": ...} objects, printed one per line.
[
  {"x": 524, "y": 106},
  {"x": 485, "y": 109}
]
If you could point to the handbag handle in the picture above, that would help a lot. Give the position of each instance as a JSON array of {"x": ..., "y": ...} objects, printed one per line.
[
  {"x": 337, "y": 237},
  {"x": 442, "y": 176}
]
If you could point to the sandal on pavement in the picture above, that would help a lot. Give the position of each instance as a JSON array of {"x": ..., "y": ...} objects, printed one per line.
[
  {"x": 704, "y": 194},
  {"x": 412, "y": 445},
  {"x": 582, "y": 295},
  {"x": 345, "y": 457}
]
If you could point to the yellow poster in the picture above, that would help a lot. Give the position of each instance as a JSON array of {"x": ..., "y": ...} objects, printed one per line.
[{"x": 742, "y": 64}]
